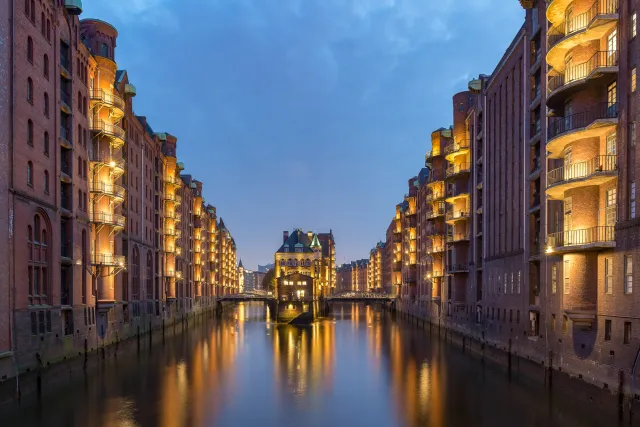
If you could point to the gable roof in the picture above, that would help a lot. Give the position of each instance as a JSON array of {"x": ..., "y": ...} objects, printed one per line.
[{"x": 297, "y": 239}]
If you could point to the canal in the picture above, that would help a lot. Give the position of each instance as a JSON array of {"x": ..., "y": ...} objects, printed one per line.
[{"x": 359, "y": 367}]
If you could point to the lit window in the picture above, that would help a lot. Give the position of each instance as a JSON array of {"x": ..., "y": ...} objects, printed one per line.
[
  {"x": 633, "y": 79},
  {"x": 632, "y": 200},
  {"x": 632, "y": 133},
  {"x": 628, "y": 274},
  {"x": 566, "y": 270},
  {"x": 30, "y": 174},
  {"x": 607, "y": 330},
  {"x": 633, "y": 25},
  {"x": 627, "y": 332},
  {"x": 608, "y": 275}
]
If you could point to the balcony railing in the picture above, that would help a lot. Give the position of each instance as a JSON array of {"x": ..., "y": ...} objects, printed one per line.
[
  {"x": 433, "y": 153},
  {"x": 435, "y": 212},
  {"x": 108, "y": 260},
  {"x": 435, "y": 195},
  {"x": 573, "y": 73},
  {"x": 601, "y": 111},
  {"x": 173, "y": 198},
  {"x": 105, "y": 158},
  {"x": 457, "y": 268},
  {"x": 435, "y": 249},
  {"x": 105, "y": 97},
  {"x": 457, "y": 214},
  {"x": 457, "y": 169},
  {"x": 586, "y": 236},
  {"x": 459, "y": 237},
  {"x": 107, "y": 128},
  {"x": 581, "y": 21},
  {"x": 455, "y": 146},
  {"x": 108, "y": 218},
  {"x": 582, "y": 170},
  {"x": 109, "y": 189},
  {"x": 457, "y": 191}
]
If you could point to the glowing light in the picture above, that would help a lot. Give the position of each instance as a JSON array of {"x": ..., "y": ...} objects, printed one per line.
[{"x": 549, "y": 249}]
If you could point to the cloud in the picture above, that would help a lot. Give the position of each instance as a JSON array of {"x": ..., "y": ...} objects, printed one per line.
[{"x": 148, "y": 12}]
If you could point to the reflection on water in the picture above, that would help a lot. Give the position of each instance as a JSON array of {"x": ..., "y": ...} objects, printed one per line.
[{"x": 360, "y": 367}]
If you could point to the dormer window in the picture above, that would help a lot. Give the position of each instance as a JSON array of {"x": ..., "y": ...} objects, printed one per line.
[
  {"x": 286, "y": 248},
  {"x": 298, "y": 249}
]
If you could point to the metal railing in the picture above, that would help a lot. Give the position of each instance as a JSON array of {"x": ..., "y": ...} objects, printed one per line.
[
  {"x": 434, "y": 195},
  {"x": 457, "y": 190},
  {"x": 582, "y": 170},
  {"x": 459, "y": 237},
  {"x": 106, "y": 98},
  {"x": 107, "y": 159},
  {"x": 581, "y": 21},
  {"x": 457, "y": 268},
  {"x": 108, "y": 259},
  {"x": 585, "y": 236},
  {"x": 66, "y": 98},
  {"x": 435, "y": 212},
  {"x": 573, "y": 73},
  {"x": 107, "y": 128},
  {"x": 106, "y": 188},
  {"x": 108, "y": 218},
  {"x": 456, "y": 169},
  {"x": 600, "y": 111},
  {"x": 454, "y": 146},
  {"x": 457, "y": 214}
]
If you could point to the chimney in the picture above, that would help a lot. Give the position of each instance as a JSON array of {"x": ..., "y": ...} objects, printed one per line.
[{"x": 285, "y": 236}]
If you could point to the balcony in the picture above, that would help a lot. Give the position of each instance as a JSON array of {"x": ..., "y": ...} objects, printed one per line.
[
  {"x": 457, "y": 268},
  {"x": 432, "y": 154},
  {"x": 456, "y": 148},
  {"x": 115, "y": 132},
  {"x": 435, "y": 213},
  {"x": 601, "y": 68},
  {"x": 595, "y": 122},
  {"x": 580, "y": 29},
  {"x": 105, "y": 218},
  {"x": 102, "y": 97},
  {"x": 108, "y": 260},
  {"x": 397, "y": 266},
  {"x": 117, "y": 166},
  {"x": 172, "y": 180},
  {"x": 112, "y": 190},
  {"x": 434, "y": 196},
  {"x": 596, "y": 171},
  {"x": 457, "y": 215},
  {"x": 458, "y": 169},
  {"x": 435, "y": 274},
  {"x": 456, "y": 192},
  {"x": 435, "y": 250},
  {"x": 594, "y": 238},
  {"x": 174, "y": 198},
  {"x": 458, "y": 237}
]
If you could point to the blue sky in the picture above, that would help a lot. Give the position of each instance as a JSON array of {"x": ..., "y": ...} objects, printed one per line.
[{"x": 304, "y": 113}]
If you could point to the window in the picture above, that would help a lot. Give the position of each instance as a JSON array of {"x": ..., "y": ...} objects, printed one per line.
[
  {"x": 607, "y": 330},
  {"x": 80, "y": 200},
  {"x": 612, "y": 97},
  {"x": 37, "y": 268},
  {"x": 608, "y": 275},
  {"x": 30, "y": 174},
  {"x": 104, "y": 50},
  {"x": 46, "y": 143},
  {"x": 46, "y": 182},
  {"x": 519, "y": 288},
  {"x": 611, "y": 144},
  {"x": 30, "y": 49},
  {"x": 627, "y": 332},
  {"x": 42, "y": 25},
  {"x": 27, "y": 9},
  {"x": 632, "y": 200},
  {"x": 633, "y": 79},
  {"x": 553, "y": 322},
  {"x": 46, "y": 104},
  {"x": 45, "y": 66},
  {"x": 30, "y": 132},
  {"x": 628, "y": 274},
  {"x": 79, "y": 166},
  {"x": 565, "y": 324},
  {"x": 32, "y": 14},
  {"x": 632, "y": 134},
  {"x": 566, "y": 270},
  {"x": 633, "y": 25},
  {"x": 79, "y": 101},
  {"x": 554, "y": 278},
  {"x": 48, "y": 30},
  {"x": 30, "y": 90}
]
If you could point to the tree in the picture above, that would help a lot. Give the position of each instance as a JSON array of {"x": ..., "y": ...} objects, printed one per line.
[{"x": 268, "y": 281}]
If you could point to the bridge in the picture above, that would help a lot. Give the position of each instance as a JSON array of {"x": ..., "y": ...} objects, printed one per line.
[
  {"x": 247, "y": 296},
  {"x": 359, "y": 296}
]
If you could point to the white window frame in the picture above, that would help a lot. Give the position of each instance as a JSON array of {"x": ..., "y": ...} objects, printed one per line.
[
  {"x": 632, "y": 200},
  {"x": 628, "y": 274},
  {"x": 554, "y": 278},
  {"x": 633, "y": 22},
  {"x": 608, "y": 275},
  {"x": 632, "y": 79},
  {"x": 566, "y": 274}
]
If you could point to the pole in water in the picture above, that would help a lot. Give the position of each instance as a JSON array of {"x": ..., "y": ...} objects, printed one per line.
[{"x": 509, "y": 358}]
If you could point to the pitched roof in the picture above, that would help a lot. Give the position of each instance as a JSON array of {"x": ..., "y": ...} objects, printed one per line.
[
  {"x": 240, "y": 264},
  {"x": 297, "y": 239}
]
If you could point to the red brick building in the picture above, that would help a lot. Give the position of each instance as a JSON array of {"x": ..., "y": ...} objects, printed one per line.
[{"x": 104, "y": 234}]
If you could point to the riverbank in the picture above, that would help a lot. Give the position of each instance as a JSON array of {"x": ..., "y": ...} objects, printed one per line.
[{"x": 525, "y": 368}]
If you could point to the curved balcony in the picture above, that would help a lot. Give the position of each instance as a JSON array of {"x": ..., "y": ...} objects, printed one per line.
[
  {"x": 435, "y": 250},
  {"x": 596, "y": 171},
  {"x": 170, "y": 249},
  {"x": 172, "y": 180},
  {"x": 435, "y": 152},
  {"x": 115, "y": 132},
  {"x": 456, "y": 192},
  {"x": 457, "y": 268},
  {"x": 600, "y": 69},
  {"x": 594, "y": 122},
  {"x": 435, "y": 274},
  {"x": 458, "y": 237},
  {"x": 108, "y": 260},
  {"x": 458, "y": 169},
  {"x": 594, "y": 238},
  {"x": 174, "y": 198},
  {"x": 434, "y": 196},
  {"x": 117, "y": 166},
  {"x": 113, "y": 102},
  {"x": 114, "y": 220},
  {"x": 580, "y": 29},
  {"x": 112, "y": 190},
  {"x": 457, "y": 215},
  {"x": 456, "y": 148},
  {"x": 555, "y": 10}
]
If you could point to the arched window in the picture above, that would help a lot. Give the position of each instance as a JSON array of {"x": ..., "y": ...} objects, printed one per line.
[
  {"x": 79, "y": 101},
  {"x": 38, "y": 265},
  {"x": 79, "y": 166},
  {"x": 136, "y": 274},
  {"x": 46, "y": 143},
  {"x": 150, "y": 276},
  {"x": 27, "y": 9},
  {"x": 30, "y": 174},
  {"x": 84, "y": 266},
  {"x": 30, "y": 90},
  {"x": 45, "y": 66},
  {"x": 85, "y": 105},
  {"x": 42, "y": 24},
  {"x": 30, "y": 49},
  {"x": 104, "y": 50},
  {"x": 84, "y": 169},
  {"x": 30, "y": 132},
  {"x": 46, "y": 104},
  {"x": 46, "y": 182},
  {"x": 33, "y": 11},
  {"x": 295, "y": 262},
  {"x": 80, "y": 200},
  {"x": 48, "y": 30}
]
